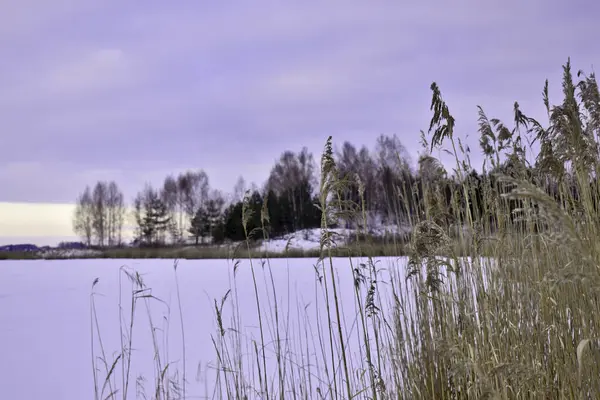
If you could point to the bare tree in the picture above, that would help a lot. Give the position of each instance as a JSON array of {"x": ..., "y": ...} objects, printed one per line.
[
  {"x": 182, "y": 182},
  {"x": 138, "y": 203},
  {"x": 100, "y": 212},
  {"x": 239, "y": 189},
  {"x": 346, "y": 158},
  {"x": 392, "y": 153},
  {"x": 171, "y": 197},
  {"x": 115, "y": 203},
  {"x": 347, "y": 163},
  {"x": 194, "y": 187},
  {"x": 359, "y": 168},
  {"x": 394, "y": 174},
  {"x": 291, "y": 170},
  {"x": 83, "y": 216},
  {"x": 293, "y": 177},
  {"x": 367, "y": 171}
]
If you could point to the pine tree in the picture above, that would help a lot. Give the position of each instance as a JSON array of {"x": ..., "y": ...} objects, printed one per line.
[
  {"x": 213, "y": 215},
  {"x": 155, "y": 222},
  {"x": 199, "y": 224}
]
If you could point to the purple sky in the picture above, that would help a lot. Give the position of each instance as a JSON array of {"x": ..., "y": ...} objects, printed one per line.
[{"x": 132, "y": 91}]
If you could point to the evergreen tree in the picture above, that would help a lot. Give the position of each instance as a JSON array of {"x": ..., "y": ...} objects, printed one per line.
[
  {"x": 232, "y": 221},
  {"x": 155, "y": 221},
  {"x": 199, "y": 224},
  {"x": 213, "y": 215},
  {"x": 279, "y": 215},
  {"x": 232, "y": 224}
]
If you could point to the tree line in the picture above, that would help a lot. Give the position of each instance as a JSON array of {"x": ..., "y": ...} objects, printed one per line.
[
  {"x": 380, "y": 185},
  {"x": 185, "y": 208},
  {"x": 380, "y": 182}
]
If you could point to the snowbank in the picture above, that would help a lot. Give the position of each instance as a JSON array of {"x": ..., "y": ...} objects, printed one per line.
[{"x": 68, "y": 253}]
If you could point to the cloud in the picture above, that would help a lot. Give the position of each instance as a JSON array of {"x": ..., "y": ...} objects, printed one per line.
[
  {"x": 133, "y": 92},
  {"x": 62, "y": 182},
  {"x": 87, "y": 75},
  {"x": 32, "y": 16},
  {"x": 100, "y": 69}
]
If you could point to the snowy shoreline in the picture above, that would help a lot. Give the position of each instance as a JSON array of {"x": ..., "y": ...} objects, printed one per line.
[{"x": 303, "y": 243}]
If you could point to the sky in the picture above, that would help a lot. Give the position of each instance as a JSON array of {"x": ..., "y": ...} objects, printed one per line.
[{"x": 134, "y": 91}]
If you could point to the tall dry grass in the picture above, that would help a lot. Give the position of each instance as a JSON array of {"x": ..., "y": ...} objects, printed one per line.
[{"x": 518, "y": 319}]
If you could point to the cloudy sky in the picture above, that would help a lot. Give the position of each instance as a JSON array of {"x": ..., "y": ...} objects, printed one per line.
[{"x": 133, "y": 91}]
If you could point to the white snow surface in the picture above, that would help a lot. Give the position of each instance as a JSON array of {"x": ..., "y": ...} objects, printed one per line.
[
  {"x": 45, "y": 318},
  {"x": 309, "y": 239},
  {"x": 69, "y": 253},
  {"x": 46, "y": 326}
]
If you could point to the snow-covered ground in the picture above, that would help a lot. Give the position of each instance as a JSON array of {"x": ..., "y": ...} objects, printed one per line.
[
  {"x": 45, "y": 319},
  {"x": 309, "y": 239},
  {"x": 69, "y": 253}
]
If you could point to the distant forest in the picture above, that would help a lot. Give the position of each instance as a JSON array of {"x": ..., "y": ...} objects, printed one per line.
[
  {"x": 379, "y": 185},
  {"x": 185, "y": 208}
]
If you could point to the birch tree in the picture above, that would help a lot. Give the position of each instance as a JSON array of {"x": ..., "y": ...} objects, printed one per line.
[{"x": 83, "y": 217}]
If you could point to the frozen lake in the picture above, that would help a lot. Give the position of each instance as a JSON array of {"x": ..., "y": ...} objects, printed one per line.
[{"x": 46, "y": 325}]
